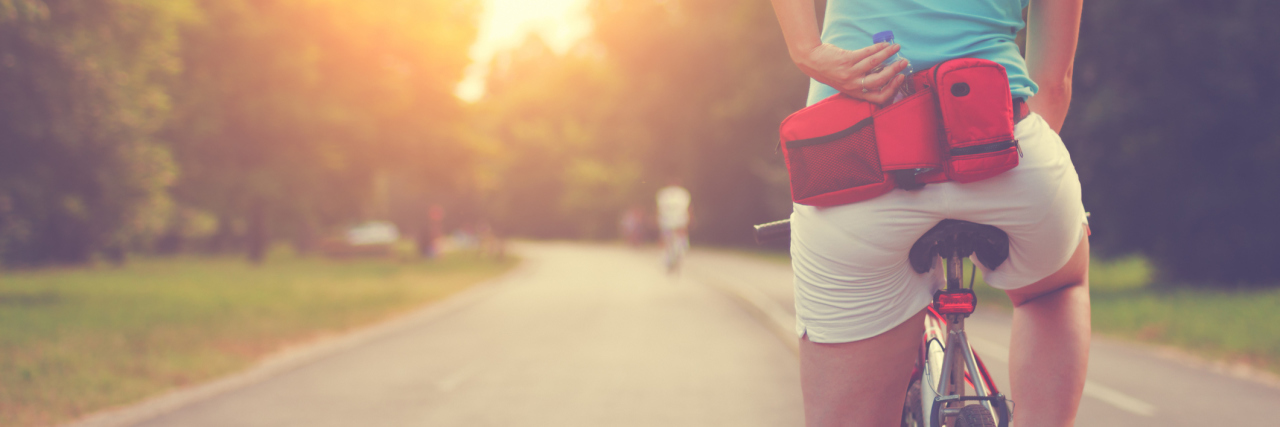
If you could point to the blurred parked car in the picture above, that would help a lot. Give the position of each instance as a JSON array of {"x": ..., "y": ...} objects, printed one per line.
[{"x": 372, "y": 238}]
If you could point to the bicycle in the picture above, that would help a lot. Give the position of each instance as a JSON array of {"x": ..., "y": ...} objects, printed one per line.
[
  {"x": 675, "y": 244},
  {"x": 946, "y": 366}
]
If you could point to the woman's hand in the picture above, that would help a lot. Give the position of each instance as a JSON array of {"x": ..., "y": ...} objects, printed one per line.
[
  {"x": 856, "y": 73},
  {"x": 852, "y": 72}
]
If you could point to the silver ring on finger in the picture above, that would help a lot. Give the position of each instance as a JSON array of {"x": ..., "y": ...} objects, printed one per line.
[{"x": 864, "y": 84}]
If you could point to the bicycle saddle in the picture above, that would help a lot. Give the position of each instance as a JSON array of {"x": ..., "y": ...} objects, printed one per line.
[{"x": 960, "y": 238}]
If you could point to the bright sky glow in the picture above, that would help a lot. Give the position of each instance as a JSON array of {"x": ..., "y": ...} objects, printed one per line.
[{"x": 505, "y": 23}]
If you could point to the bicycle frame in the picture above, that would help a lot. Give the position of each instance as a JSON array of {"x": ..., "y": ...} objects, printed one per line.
[{"x": 942, "y": 396}]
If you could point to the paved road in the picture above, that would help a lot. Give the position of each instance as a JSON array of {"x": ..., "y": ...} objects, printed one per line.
[
  {"x": 595, "y": 335},
  {"x": 1129, "y": 385},
  {"x": 577, "y": 336}
]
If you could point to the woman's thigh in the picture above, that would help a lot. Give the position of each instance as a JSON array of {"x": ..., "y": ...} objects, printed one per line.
[
  {"x": 859, "y": 383},
  {"x": 1074, "y": 273}
]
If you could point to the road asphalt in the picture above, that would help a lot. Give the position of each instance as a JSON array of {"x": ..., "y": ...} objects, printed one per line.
[{"x": 598, "y": 335}]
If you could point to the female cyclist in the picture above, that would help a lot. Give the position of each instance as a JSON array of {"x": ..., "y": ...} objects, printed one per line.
[{"x": 858, "y": 302}]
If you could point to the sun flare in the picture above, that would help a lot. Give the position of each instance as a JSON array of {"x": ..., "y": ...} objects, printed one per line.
[{"x": 504, "y": 25}]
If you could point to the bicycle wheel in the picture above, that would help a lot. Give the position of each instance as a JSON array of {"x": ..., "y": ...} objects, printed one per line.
[{"x": 975, "y": 416}]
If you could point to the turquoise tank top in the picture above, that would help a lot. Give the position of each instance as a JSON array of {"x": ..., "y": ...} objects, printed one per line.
[{"x": 932, "y": 31}]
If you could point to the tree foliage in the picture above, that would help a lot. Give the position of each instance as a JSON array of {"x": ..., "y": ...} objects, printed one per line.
[
  {"x": 555, "y": 170},
  {"x": 1173, "y": 129},
  {"x": 289, "y": 109},
  {"x": 81, "y": 96},
  {"x": 283, "y": 112}
]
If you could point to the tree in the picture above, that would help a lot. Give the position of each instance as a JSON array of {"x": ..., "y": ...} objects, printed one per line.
[
  {"x": 556, "y": 170},
  {"x": 1173, "y": 131},
  {"x": 288, "y": 110},
  {"x": 81, "y": 96}
]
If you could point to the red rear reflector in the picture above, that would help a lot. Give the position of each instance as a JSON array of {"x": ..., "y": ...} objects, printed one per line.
[{"x": 956, "y": 303}]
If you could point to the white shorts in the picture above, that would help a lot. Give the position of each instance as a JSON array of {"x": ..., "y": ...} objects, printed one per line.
[{"x": 852, "y": 277}]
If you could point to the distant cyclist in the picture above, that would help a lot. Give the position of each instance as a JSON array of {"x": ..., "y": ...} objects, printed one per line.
[
  {"x": 858, "y": 301},
  {"x": 673, "y": 223}
]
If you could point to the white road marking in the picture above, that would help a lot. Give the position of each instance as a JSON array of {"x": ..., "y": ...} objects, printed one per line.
[
  {"x": 1092, "y": 389},
  {"x": 1118, "y": 399}
]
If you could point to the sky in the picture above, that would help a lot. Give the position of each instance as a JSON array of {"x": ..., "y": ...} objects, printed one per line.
[{"x": 504, "y": 24}]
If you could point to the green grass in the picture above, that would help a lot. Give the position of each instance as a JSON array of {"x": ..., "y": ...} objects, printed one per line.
[
  {"x": 1231, "y": 325},
  {"x": 1235, "y": 325},
  {"x": 73, "y": 341}
]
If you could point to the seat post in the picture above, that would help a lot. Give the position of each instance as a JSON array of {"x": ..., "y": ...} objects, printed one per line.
[{"x": 955, "y": 272}]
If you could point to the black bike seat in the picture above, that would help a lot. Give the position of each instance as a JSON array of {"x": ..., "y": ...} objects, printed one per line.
[{"x": 960, "y": 238}]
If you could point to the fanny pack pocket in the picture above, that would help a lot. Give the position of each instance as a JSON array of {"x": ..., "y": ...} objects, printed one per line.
[
  {"x": 977, "y": 113},
  {"x": 831, "y": 153}
]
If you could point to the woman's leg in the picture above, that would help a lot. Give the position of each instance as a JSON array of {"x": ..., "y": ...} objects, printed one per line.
[
  {"x": 860, "y": 383},
  {"x": 1049, "y": 350}
]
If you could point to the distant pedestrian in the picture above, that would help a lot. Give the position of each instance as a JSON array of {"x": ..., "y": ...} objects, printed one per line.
[
  {"x": 631, "y": 225},
  {"x": 427, "y": 237}
]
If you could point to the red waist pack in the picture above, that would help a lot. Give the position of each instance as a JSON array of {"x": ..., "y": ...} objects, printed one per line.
[{"x": 957, "y": 125}]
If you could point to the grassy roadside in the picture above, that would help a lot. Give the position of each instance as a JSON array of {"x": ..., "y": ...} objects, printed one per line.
[
  {"x": 1231, "y": 325},
  {"x": 73, "y": 341}
]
